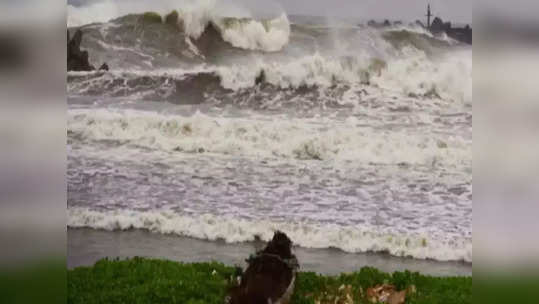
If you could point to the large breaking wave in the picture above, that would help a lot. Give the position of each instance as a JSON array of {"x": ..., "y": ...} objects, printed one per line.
[
  {"x": 447, "y": 78},
  {"x": 194, "y": 19},
  {"x": 242, "y": 52}
]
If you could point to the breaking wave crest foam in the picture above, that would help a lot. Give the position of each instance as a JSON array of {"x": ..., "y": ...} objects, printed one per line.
[
  {"x": 293, "y": 138},
  {"x": 309, "y": 235},
  {"x": 241, "y": 31}
]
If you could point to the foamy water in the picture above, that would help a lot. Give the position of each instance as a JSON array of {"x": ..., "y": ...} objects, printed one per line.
[
  {"x": 233, "y": 127},
  {"x": 359, "y": 238},
  {"x": 280, "y": 137}
]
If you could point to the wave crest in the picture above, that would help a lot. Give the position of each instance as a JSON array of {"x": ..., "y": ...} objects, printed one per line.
[
  {"x": 305, "y": 234},
  {"x": 268, "y": 35},
  {"x": 293, "y": 139}
]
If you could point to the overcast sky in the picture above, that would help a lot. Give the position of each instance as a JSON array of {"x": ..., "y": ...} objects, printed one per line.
[
  {"x": 407, "y": 10},
  {"x": 453, "y": 10}
]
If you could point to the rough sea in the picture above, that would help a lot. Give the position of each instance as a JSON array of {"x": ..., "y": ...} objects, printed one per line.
[{"x": 229, "y": 127}]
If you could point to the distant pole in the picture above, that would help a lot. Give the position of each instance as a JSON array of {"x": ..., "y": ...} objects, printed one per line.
[{"x": 428, "y": 16}]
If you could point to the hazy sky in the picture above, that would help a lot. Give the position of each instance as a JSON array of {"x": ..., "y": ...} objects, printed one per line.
[
  {"x": 407, "y": 10},
  {"x": 454, "y": 10}
]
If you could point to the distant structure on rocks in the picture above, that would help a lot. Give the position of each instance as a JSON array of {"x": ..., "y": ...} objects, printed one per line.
[
  {"x": 429, "y": 14},
  {"x": 438, "y": 26}
]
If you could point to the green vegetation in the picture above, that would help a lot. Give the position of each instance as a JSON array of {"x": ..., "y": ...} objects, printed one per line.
[
  {"x": 148, "y": 281},
  {"x": 152, "y": 17},
  {"x": 427, "y": 289},
  {"x": 141, "y": 280}
]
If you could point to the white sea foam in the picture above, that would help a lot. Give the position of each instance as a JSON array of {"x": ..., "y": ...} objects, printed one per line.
[
  {"x": 449, "y": 75},
  {"x": 323, "y": 139},
  {"x": 421, "y": 245},
  {"x": 268, "y": 35},
  {"x": 411, "y": 72},
  {"x": 408, "y": 70},
  {"x": 241, "y": 29}
]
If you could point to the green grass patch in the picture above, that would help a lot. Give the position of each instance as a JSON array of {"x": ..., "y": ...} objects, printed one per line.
[
  {"x": 152, "y": 17},
  {"x": 141, "y": 280}
]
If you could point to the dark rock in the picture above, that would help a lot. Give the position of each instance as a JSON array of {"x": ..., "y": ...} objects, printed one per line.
[
  {"x": 172, "y": 19},
  {"x": 104, "y": 67},
  {"x": 210, "y": 42},
  {"x": 464, "y": 34},
  {"x": 375, "y": 24},
  {"x": 261, "y": 78},
  {"x": 270, "y": 276},
  {"x": 447, "y": 27},
  {"x": 461, "y": 34},
  {"x": 75, "y": 42},
  {"x": 78, "y": 60},
  {"x": 437, "y": 26}
]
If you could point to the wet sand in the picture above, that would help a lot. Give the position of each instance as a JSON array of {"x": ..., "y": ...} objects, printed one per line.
[{"x": 86, "y": 246}]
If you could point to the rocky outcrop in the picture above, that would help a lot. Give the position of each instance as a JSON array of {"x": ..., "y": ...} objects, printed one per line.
[
  {"x": 77, "y": 59},
  {"x": 104, "y": 67},
  {"x": 172, "y": 19},
  {"x": 260, "y": 78},
  {"x": 461, "y": 34},
  {"x": 438, "y": 26},
  {"x": 464, "y": 34},
  {"x": 385, "y": 24}
]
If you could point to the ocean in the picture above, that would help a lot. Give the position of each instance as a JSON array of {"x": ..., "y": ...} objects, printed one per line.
[{"x": 227, "y": 128}]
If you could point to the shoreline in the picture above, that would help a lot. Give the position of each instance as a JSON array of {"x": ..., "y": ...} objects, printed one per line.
[{"x": 86, "y": 246}]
